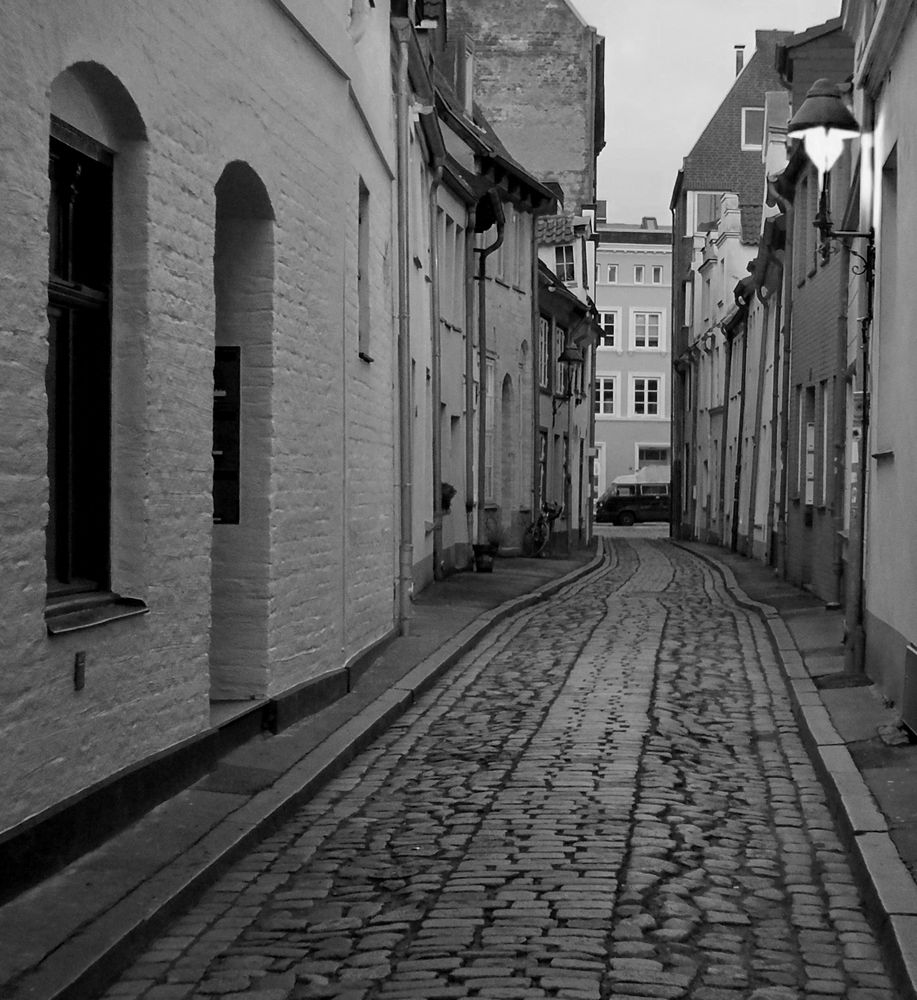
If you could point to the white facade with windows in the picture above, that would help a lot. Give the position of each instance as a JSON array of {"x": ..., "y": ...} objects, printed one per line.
[{"x": 633, "y": 357}]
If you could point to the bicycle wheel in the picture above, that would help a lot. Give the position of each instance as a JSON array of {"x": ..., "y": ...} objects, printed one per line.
[{"x": 536, "y": 536}]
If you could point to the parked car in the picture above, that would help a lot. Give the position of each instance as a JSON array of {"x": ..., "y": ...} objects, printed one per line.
[{"x": 628, "y": 503}]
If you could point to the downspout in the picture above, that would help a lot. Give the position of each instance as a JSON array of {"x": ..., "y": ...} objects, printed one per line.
[
  {"x": 406, "y": 544},
  {"x": 537, "y": 499},
  {"x": 737, "y": 488},
  {"x": 691, "y": 478},
  {"x": 436, "y": 379},
  {"x": 855, "y": 656},
  {"x": 856, "y": 639},
  {"x": 775, "y": 413},
  {"x": 727, "y": 390},
  {"x": 469, "y": 382},
  {"x": 484, "y": 253},
  {"x": 839, "y": 401},
  {"x": 756, "y": 435},
  {"x": 788, "y": 257},
  {"x": 678, "y": 401}
]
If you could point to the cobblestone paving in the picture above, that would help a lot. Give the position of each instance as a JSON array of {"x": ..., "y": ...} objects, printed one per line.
[{"x": 608, "y": 798}]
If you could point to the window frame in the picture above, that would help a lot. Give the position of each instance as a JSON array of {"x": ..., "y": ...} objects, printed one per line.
[
  {"x": 752, "y": 146},
  {"x": 647, "y": 377},
  {"x": 565, "y": 269},
  {"x": 660, "y": 270},
  {"x": 660, "y": 345},
  {"x": 545, "y": 339},
  {"x": 560, "y": 342},
  {"x": 79, "y": 381},
  {"x": 601, "y": 383},
  {"x": 639, "y": 274},
  {"x": 615, "y": 315},
  {"x": 612, "y": 270}
]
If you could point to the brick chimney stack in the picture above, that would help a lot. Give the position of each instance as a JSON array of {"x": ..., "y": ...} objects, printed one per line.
[{"x": 740, "y": 58}]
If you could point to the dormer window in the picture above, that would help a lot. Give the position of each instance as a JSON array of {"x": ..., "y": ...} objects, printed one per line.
[{"x": 563, "y": 263}]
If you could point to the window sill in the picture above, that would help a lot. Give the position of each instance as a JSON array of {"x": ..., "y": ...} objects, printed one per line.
[{"x": 74, "y": 613}]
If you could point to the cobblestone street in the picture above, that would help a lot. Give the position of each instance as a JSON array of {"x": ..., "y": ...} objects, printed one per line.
[{"x": 607, "y": 798}]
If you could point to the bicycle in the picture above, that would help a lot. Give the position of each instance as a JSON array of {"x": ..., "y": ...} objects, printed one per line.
[{"x": 538, "y": 533}]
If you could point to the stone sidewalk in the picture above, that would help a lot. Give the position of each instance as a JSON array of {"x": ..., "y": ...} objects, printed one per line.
[
  {"x": 70, "y": 934},
  {"x": 868, "y": 769}
]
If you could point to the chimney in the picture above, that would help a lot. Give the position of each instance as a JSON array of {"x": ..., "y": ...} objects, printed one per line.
[
  {"x": 740, "y": 58},
  {"x": 649, "y": 222}
]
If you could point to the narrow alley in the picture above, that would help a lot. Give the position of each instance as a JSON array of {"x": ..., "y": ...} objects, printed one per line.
[{"x": 608, "y": 797}]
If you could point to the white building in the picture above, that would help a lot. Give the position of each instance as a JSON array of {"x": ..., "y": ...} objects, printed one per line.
[{"x": 633, "y": 359}]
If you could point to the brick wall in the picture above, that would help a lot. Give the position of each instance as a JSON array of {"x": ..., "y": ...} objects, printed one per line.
[
  {"x": 535, "y": 80},
  {"x": 209, "y": 85}
]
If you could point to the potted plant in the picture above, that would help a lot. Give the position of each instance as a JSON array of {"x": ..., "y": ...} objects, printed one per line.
[{"x": 486, "y": 551}]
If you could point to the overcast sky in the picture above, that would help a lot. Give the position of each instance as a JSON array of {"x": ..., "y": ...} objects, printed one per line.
[{"x": 668, "y": 64}]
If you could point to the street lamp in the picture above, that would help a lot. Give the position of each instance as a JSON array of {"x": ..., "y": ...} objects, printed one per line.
[
  {"x": 570, "y": 359},
  {"x": 824, "y": 123}
]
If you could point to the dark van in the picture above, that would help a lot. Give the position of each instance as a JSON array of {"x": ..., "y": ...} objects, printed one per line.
[{"x": 628, "y": 503}]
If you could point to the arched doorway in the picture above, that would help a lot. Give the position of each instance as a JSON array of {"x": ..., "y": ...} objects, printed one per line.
[{"x": 243, "y": 282}]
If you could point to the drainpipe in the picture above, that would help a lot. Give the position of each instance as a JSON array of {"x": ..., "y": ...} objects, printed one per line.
[
  {"x": 537, "y": 499},
  {"x": 737, "y": 488},
  {"x": 483, "y": 254},
  {"x": 855, "y": 654},
  {"x": 727, "y": 390},
  {"x": 469, "y": 380},
  {"x": 436, "y": 378},
  {"x": 406, "y": 545},
  {"x": 839, "y": 429},
  {"x": 775, "y": 413},
  {"x": 756, "y": 433},
  {"x": 785, "y": 388}
]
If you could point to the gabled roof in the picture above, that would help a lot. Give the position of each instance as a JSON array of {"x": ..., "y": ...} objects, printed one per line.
[{"x": 717, "y": 161}]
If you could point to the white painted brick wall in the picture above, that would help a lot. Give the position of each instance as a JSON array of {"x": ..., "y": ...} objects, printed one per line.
[{"x": 213, "y": 83}]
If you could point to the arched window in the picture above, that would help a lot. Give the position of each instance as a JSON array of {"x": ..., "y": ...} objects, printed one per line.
[{"x": 92, "y": 121}]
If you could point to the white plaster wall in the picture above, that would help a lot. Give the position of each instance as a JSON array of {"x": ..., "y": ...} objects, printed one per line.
[{"x": 891, "y": 554}]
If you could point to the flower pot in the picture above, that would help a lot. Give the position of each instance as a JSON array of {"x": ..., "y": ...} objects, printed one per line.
[{"x": 484, "y": 557}]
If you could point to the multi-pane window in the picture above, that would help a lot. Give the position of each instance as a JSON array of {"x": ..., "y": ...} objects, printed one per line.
[
  {"x": 79, "y": 361},
  {"x": 638, "y": 274},
  {"x": 605, "y": 391},
  {"x": 657, "y": 275},
  {"x": 648, "y": 453},
  {"x": 608, "y": 323},
  {"x": 544, "y": 352},
  {"x": 542, "y": 465},
  {"x": 560, "y": 341},
  {"x": 563, "y": 263},
  {"x": 489, "y": 432},
  {"x": 647, "y": 330},
  {"x": 612, "y": 274},
  {"x": 646, "y": 396}
]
